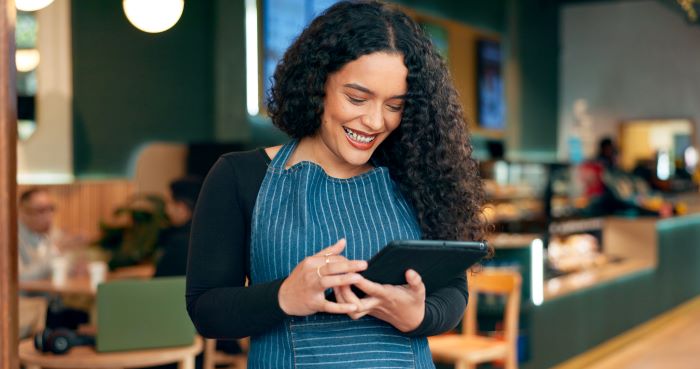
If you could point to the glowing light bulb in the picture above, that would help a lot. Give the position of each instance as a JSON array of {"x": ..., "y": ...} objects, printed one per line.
[
  {"x": 32, "y": 5},
  {"x": 27, "y": 59},
  {"x": 153, "y": 16}
]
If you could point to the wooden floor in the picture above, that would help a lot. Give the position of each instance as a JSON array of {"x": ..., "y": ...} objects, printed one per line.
[{"x": 670, "y": 341}]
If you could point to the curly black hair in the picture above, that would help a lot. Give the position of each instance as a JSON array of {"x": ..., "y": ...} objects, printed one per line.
[{"x": 429, "y": 154}]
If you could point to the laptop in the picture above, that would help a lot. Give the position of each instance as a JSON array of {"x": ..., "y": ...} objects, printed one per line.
[{"x": 142, "y": 314}]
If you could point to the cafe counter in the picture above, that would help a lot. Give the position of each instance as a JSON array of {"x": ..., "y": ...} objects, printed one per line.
[{"x": 650, "y": 266}]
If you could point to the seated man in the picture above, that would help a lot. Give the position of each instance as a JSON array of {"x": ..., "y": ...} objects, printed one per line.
[
  {"x": 39, "y": 242},
  {"x": 37, "y": 238},
  {"x": 175, "y": 240}
]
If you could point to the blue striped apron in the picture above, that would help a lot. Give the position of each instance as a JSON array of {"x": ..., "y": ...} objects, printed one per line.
[{"x": 298, "y": 212}]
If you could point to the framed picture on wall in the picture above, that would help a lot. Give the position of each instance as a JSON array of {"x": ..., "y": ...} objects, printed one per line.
[
  {"x": 491, "y": 105},
  {"x": 283, "y": 21}
]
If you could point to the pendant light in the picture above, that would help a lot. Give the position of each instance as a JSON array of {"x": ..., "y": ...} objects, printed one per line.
[{"x": 153, "y": 16}]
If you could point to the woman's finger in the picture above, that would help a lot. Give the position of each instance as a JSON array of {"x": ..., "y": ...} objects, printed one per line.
[
  {"x": 335, "y": 249},
  {"x": 369, "y": 303},
  {"x": 336, "y": 308},
  {"x": 339, "y": 295},
  {"x": 370, "y": 288},
  {"x": 358, "y": 315},
  {"x": 332, "y": 259},
  {"x": 344, "y": 267},
  {"x": 349, "y": 296},
  {"x": 331, "y": 281},
  {"x": 415, "y": 282}
]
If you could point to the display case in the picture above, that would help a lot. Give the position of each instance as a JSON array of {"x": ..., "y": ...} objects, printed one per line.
[
  {"x": 555, "y": 204},
  {"x": 514, "y": 196}
]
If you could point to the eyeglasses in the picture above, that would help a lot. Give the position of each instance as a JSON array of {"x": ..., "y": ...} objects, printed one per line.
[{"x": 41, "y": 210}]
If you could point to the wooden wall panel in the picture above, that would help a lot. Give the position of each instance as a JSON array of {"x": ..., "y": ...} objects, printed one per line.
[{"x": 81, "y": 205}]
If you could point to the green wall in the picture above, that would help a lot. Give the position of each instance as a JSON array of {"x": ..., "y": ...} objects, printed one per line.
[
  {"x": 486, "y": 14},
  {"x": 530, "y": 34},
  {"x": 531, "y": 25},
  {"x": 531, "y": 43},
  {"x": 188, "y": 83},
  {"x": 130, "y": 87}
]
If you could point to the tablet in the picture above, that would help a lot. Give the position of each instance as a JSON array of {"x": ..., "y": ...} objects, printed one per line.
[{"x": 437, "y": 262}]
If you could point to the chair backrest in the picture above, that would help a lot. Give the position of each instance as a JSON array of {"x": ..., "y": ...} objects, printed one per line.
[
  {"x": 498, "y": 282},
  {"x": 32, "y": 315}
]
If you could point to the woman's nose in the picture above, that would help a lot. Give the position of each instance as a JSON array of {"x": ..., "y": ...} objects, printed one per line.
[{"x": 373, "y": 119}]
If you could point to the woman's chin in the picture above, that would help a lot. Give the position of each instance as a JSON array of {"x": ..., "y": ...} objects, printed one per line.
[
  {"x": 357, "y": 160},
  {"x": 356, "y": 157}
]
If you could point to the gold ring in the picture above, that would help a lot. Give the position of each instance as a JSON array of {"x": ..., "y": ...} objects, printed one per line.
[{"x": 318, "y": 272}]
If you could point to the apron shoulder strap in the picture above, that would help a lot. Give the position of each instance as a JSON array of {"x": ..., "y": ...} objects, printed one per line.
[{"x": 283, "y": 155}]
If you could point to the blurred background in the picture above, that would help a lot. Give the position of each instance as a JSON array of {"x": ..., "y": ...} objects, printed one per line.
[{"x": 583, "y": 116}]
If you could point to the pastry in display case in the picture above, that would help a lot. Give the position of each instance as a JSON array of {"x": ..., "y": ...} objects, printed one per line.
[
  {"x": 573, "y": 253},
  {"x": 514, "y": 193}
]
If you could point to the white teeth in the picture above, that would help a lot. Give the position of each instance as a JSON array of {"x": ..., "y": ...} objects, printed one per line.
[{"x": 358, "y": 137}]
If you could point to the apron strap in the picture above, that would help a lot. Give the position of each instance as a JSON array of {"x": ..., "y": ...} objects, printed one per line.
[{"x": 283, "y": 155}]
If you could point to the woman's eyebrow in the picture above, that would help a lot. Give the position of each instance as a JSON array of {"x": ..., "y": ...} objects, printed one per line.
[{"x": 368, "y": 91}]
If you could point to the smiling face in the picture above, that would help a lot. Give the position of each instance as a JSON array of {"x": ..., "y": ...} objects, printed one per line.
[{"x": 363, "y": 105}]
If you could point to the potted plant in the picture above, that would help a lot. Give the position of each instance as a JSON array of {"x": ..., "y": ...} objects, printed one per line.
[{"x": 133, "y": 238}]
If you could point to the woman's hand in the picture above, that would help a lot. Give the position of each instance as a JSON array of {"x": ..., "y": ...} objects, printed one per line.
[
  {"x": 401, "y": 306},
  {"x": 303, "y": 292}
]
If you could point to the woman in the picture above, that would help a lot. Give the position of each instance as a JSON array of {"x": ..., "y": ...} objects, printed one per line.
[{"x": 379, "y": 151}]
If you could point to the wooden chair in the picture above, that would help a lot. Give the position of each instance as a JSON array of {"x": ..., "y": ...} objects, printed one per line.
[
  {"x": 32, "y": 315},
  {"x": 468, "y": 349},
  {"x": 214, "y": 359}
]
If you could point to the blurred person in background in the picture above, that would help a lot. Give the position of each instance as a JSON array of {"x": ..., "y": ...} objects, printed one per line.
[
  {"x": 592, "y": 171},
  {"x": 174, "y": 240},
  {"x": 607, "y": 154},
  {"x": 615, "y": 191},
  {"x": 37, "y": 237},
  {"x": 40, "y": 242}
]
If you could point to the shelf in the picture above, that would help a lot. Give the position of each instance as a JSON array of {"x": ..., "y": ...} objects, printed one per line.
[
  {"x": 569, "y": 283},
  {"x": 512, "y": 240},
  {"x": 576, "y": 226}
]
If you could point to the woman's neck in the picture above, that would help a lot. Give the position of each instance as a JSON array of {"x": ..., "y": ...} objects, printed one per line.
[{"x": 313, "y": 149}]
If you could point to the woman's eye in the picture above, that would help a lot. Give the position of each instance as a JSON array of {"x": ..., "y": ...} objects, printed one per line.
[
  {"x": 395, "y": 108},
  {"x": 355, "y": 100}
]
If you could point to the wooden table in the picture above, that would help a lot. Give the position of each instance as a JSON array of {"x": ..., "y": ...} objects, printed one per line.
[
  {"x": 84, "y": 357},
  {"x": 81, "y": 285}
]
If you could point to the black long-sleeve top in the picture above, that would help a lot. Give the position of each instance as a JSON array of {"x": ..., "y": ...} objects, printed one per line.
[{"x": 218, "y": 302}]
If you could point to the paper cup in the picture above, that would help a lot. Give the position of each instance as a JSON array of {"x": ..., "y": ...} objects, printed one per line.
[
  {"x": 98, "y": 273},
  {"x": 59, "y": 271}
]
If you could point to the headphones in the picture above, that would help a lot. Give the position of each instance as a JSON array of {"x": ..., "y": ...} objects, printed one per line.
[{"x": 60, "y": 340}]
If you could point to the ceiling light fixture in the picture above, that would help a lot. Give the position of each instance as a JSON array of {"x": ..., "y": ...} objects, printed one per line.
[
  {"x": 27, "y": 59},
  {"x": 153, "y": 16},
  {"x": 32, "y": 5}
]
